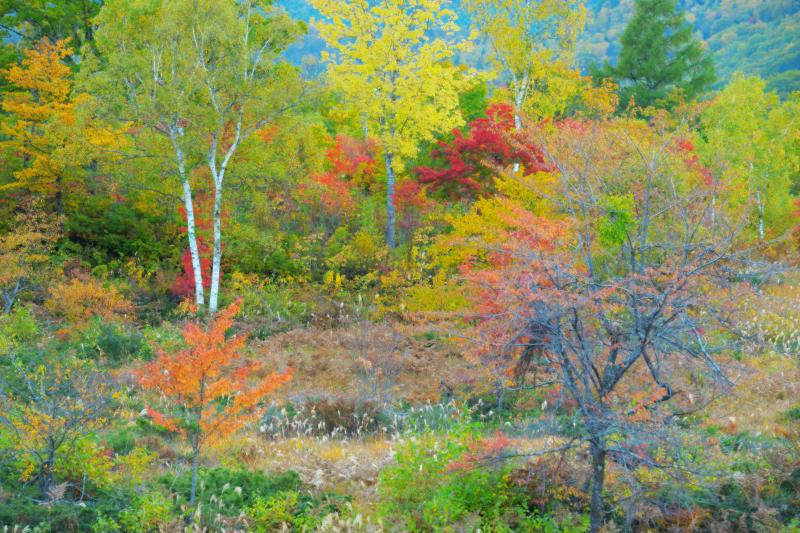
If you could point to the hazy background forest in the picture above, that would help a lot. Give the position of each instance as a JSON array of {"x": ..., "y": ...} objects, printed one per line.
[
  {"x": 399, "y": 265},
  {"x": 750, "y": 36}
]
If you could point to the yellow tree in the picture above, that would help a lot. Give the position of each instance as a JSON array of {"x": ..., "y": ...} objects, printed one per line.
[
  {"x": 24, "y": 251},
  {"x": 40, "y": 102},
  {"x": 47, "y": 404},
  {"x": 747, "y": 146},
  {"x": 525, "y": 37},
  {"x": 401, "y": 79}
]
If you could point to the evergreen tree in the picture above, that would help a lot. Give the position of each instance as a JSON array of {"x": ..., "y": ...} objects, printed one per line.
[{"x": 659, "y": 55}]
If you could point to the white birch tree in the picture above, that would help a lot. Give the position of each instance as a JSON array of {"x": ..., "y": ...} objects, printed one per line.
[{"x": 198, "y": 78}]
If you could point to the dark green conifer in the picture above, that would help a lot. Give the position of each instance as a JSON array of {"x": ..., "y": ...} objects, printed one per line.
[{"x": 659, "y": 56}]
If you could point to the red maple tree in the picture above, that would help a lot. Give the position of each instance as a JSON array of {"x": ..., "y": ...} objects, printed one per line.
[{"x": 466, "y": 165}]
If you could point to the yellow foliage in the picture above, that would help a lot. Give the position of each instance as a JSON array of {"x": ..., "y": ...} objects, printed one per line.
[
  {"x": 443, "y": 295},
  {"x": 79, "y": 300},
  {"x": 47, "y": 130},
  {"x": 557, "y": 89},
  {"x": 358, "y": 258},
  {"x": 532, "y": 43},
  {"x": 43, "y": 83},
  {"x": 24, "y": 250},
  {"x": 477, "y": 232},
  {"x": 391, "y": 70}
]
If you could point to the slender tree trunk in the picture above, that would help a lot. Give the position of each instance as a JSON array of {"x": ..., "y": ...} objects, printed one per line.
[
  {"x": 46, "y": 474},
  {"x": 713, "y": 210},
  {"x": 519, "y": 99},
  {"x": 196, "y": 442},
  {"x": 598, "y": 476},
  {"x": 59, "y": 197},
  {"x": 500, "y": 396},
  {"x": 10, "y": 297},
  {"x": 760, "y": 203},
  {"x": 195, "y": 460},
  {"x": 193, "y": 249},
  {"x": 213, "y": 295},
  {"x": 517, "y": 121},
  {"x": 191, "y": 234},
  {"x": 390, "y": 210}
]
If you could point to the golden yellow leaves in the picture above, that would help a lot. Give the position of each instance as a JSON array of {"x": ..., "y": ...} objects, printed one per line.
[
  {"x": 78, "y": 300},
  {"x": 391, "y": 72}
]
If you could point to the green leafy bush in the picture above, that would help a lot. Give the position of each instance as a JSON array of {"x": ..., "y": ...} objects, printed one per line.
[
  {"x": 16, "y": 328},
  {"x": 147, "y": 513},
  {"x": 422, "y": 491},
  {"x": 113, "y": 342},
  {"x": 232, "y": 490},
  {"x": 288, "y": 509}
]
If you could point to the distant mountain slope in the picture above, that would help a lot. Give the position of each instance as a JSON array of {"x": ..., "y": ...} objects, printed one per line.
[{"x": 755, "y": 36}]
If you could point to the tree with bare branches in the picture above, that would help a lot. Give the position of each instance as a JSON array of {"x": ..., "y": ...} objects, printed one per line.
[{"x": 617, "y": 301}]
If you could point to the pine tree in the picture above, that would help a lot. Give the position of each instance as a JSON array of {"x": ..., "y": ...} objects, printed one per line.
[{"x": 659, "y": 55}]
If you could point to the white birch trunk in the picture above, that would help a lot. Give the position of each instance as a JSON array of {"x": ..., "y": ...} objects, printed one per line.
[
  {"x": 191, "y": 233},
  {"x": 218, "y": 174},
  {"x": 519, "y": 100},
  {"x": 213, "y": 295},
  {"x": 390, "y": 211},
  {"x": 760, "y": 215}
]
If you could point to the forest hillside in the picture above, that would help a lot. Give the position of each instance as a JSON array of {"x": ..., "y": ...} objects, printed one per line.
[{"x": 399, "y": 266}]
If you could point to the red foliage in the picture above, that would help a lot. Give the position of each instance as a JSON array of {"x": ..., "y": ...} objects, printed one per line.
[
  {"x": 351, "y": 161},
  {"x": 686, "y": 149},
  {"x": 352, "y": 157},
  {"x": 334, "y": 194},
  {"x": 499, "y": 281},
  {"x": 571, "y": 125},
  {"x": 183, "y": 286},
  {"x": 481, "y": 451},
  {"x": 469, "y": 161},
  {"x": 411, "y": 203}
]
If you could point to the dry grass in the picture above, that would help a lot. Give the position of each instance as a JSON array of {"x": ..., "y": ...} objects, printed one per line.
[
  {"x": 766, "y": 386},
  {"x": 326, "y": 361},
  {"x": 328, "y": 465}
]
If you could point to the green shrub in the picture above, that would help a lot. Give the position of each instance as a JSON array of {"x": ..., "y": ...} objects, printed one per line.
[
  {"x": 105, "y": 524},
  {"x": 275, "y": 308},
  {"x": 422, "y": 492},
  {"x": 232, "y": 490},
  {"x": 104, "y": 230},
  {"x": 16, "y": 328},
  {"x": 64, "y": 516},
  {"x": 147, "y": 513},
  {"x": 288, "y": 509},
  {"x": 793, "y": 414},
  {"x": 113, "y": 342}
]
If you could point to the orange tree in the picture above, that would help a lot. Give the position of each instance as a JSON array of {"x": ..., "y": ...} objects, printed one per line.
[
  {"x": 615, "y": 300},
  {"x": 209, "y": 389}
]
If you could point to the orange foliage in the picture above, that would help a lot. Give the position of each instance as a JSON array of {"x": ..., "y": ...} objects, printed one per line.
[
  {"x": 80, "y": 300},
  {"x": 210, "y": 381},
  {"x": 352, "y": 164},
  {"x": 481, "y": 451}
]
